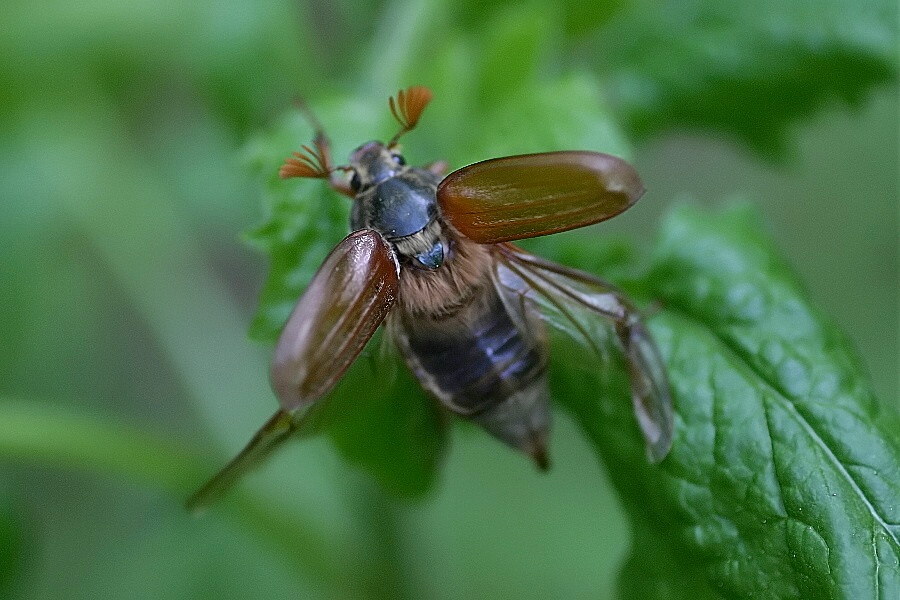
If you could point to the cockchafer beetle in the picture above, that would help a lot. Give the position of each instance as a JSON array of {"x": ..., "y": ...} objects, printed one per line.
[{"x": 429, "y": 257}]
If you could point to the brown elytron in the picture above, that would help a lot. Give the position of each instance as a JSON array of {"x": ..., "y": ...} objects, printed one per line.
[
  {"x": 428, "y": 257},
  {"x": 518, "y": 197},
  {"x": 344, "y": 304}
]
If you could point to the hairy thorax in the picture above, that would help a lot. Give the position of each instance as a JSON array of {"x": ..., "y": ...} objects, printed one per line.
[{"x": 450, "y": 290}]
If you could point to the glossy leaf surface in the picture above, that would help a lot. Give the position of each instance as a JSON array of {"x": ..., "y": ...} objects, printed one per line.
[
  {"x": 530, "y": 195},
  {"x": 344, "y": 304},
  {"x": 784, "y": 476}
]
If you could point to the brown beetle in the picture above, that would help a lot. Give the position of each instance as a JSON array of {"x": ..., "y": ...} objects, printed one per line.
[{"x": 430, "y": 257}]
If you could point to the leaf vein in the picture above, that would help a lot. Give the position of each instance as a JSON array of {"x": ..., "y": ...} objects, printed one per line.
[{"x": 730, "y": 346}]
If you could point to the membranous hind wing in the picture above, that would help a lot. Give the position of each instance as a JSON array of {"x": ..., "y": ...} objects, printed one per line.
[
  {"x": 576, "y": 299},
  {"x": 345, "y": 303}
]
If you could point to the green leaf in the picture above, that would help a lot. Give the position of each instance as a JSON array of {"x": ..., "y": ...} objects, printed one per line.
[
  {"x": 519, "y": 31},
  {"x": 657, "y": 571},
  {"x": 584, "y": 16},
  {"x": 380, "y": 419},
  {"x": 576, "y": 16},
  {"x": 784, "y": 477},
  {"x": 303, "y": 220},
  {"x": 567, "y": 113},
  {"x": 493, "y": 95},
  {"x": 748, "y": 69}
]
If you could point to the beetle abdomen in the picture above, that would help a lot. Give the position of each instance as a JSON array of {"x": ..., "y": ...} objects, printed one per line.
[{"x": 479, "y": 364}]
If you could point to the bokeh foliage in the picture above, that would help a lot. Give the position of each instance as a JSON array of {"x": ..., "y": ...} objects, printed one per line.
[{"x": 134, "y": 138}]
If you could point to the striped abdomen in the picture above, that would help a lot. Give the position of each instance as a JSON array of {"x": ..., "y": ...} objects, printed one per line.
[
  {"x": 479, "y": 357},
  {"x": 476, "y": 360}
]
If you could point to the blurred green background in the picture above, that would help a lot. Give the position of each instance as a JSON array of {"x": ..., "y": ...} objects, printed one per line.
[{"x": 126, "y": 374}]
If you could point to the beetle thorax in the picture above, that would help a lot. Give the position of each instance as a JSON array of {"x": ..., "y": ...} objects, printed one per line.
[{"x": 399, "y": 202}]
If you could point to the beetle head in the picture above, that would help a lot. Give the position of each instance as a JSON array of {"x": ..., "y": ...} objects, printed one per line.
[{"x": 372, "y": 163}]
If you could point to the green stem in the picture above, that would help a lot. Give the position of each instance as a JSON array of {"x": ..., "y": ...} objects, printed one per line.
[
  {"x": 383, "y": 572},
  {"x": 41, "y": 432},
  {"x": 49, "y": 433}
]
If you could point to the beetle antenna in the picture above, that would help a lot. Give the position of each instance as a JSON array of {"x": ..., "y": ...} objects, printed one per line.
[
  {"x": 303, "y": 106},
  {"x": 311, "y": 162},
  {"x": 408, "y": 107}
]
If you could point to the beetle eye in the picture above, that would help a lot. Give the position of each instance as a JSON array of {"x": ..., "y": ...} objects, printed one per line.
[
  {"x": 398, "y": 158},
  {"x": 355, "y": 182}
]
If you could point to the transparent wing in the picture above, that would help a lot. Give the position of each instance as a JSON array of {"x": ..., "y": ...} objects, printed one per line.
[
  {"x": 525, "y": 196},
  {"x": 574, "y": 300}
]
